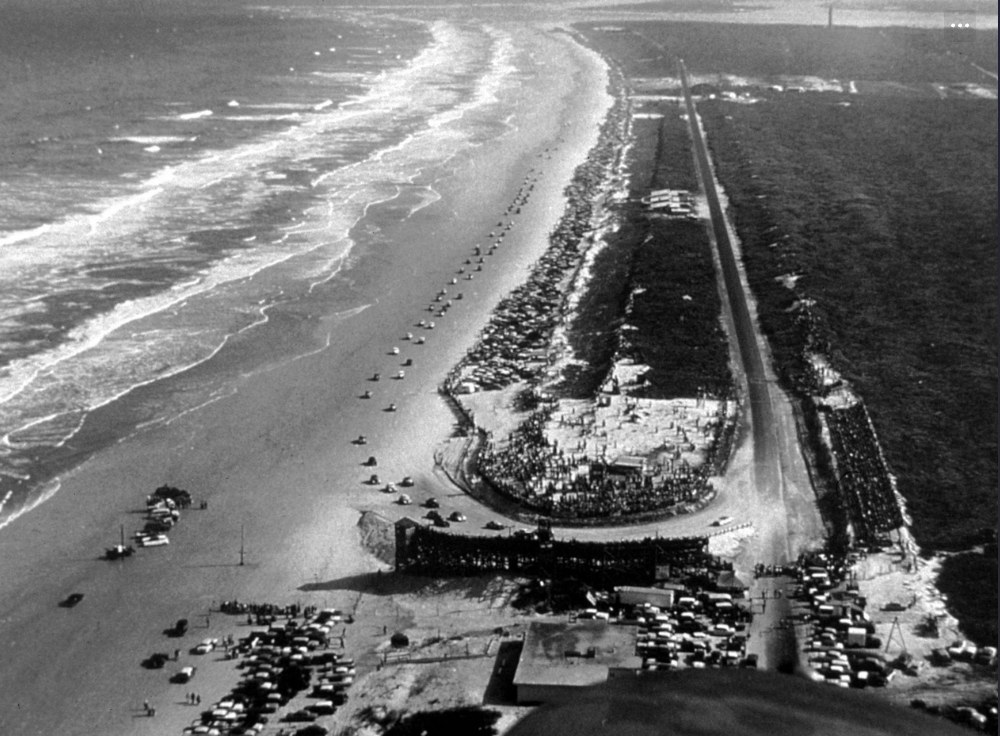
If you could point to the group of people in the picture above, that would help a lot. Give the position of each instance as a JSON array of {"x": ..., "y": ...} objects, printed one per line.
[
  {"x": 865, "y": 483},
  {"x": 530, "y": 469},
  {"x": 261, "y": 611}
]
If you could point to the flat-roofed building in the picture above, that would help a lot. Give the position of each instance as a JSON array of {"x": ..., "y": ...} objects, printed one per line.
[
  {"x": 558, "y": 658},
  {"x": 630, "y": 595}
]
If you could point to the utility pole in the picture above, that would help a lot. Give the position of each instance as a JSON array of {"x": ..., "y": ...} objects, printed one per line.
[
  {"x": 896, "y": 629},
  {"x": 242, "y": 549}
]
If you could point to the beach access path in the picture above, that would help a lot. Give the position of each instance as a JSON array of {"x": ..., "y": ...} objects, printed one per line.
[{"x": 274, "y": 459}]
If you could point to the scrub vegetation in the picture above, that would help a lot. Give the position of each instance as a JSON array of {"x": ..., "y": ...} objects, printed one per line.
[
  {"x": 657, "y": 276},
  {"x": 869, "y": 234}
]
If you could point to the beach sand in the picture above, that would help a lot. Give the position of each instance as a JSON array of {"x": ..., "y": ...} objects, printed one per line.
[{"x": 274, "y": 459}]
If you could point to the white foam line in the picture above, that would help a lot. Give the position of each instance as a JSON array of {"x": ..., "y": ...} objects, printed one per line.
[
  {"x": 194, "y": 115},
  {"x": 170, "y": 420},
  {"x": 48, "y": 491},
  {"x": 8, "y": 441}
]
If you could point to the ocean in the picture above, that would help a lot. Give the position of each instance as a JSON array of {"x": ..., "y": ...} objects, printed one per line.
[{"x": 180, "y": 181}]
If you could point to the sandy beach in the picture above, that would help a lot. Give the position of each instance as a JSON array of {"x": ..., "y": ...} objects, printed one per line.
[{"x": 274, "y": 459}]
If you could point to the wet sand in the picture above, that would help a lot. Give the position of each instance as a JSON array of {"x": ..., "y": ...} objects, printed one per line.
[{"x": 275, "y": 458}]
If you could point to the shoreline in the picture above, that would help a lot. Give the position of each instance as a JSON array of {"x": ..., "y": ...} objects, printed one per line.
[{"x": 274, "y": 456}]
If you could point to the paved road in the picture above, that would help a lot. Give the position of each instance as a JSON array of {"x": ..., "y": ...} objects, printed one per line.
[
  {"x": 767, "y": 447},
  {"x": 778, "y": 648}
]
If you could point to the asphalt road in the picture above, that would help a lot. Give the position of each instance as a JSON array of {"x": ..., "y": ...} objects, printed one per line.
[{"x": 767, "y": 446}]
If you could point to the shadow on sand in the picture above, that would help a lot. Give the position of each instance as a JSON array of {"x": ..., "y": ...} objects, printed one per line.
[{"x": 485, "y": 588}]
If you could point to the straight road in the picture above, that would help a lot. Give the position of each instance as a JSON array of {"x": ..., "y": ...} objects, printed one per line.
[{"x": 777, "y": 647}]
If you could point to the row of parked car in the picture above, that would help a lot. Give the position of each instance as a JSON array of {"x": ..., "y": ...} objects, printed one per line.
[
  {"x": 698, "y": 632},
  {"x": 277, "y": 663}
]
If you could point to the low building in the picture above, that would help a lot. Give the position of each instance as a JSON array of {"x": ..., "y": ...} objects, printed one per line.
[
  {"x": 630, "y": 595},
  {"x": 559, "y": 658}
]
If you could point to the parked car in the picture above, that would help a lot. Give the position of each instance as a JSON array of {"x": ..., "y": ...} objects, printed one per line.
[
  {"x": 206, "y": 646},
  {"x": 322, "y": 708},
  {"x": 185, "y": 674},
  {"x": 456, "y": 516},
  {"x": 155, "y": 661},
  {"x": 72, "y": 600}
]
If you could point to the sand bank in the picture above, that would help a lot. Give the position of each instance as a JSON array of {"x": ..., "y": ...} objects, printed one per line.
[{"x": 274, "y": 458}]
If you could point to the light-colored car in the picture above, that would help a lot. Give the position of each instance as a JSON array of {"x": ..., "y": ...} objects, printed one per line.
[{"x": 206, "y": 646}]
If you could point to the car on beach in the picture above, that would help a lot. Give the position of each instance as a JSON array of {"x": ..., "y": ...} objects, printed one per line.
[
  {"x": 72, "y": 600},
  {"x": 206, "y": 646},
  {"x": 457, "y": 516},
  {"x": 495, "y": 525},
  {"x": 404, "y": 500},
  {"x": 407, "y": 481},
  {"x": 153, "y": 540},
  {"x": 441, "y": 521},
  {"x": 722, "y": 521},
  {"x": 156, "y": 660},
  {"x": 394, "y": 351},
  {"x": 432, "y": 503},
  {"x": 185, "y": 674},
  {"x": 361, "y": 440}
]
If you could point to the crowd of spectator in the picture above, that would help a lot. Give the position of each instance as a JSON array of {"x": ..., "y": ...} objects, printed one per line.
[
  {"x": 865, "y": 483},
  {"x": 543, "y": 477}
]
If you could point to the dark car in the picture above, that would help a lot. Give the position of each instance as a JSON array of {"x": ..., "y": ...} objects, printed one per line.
[
  {"x": 155, "y": 661},
  {"x": 71, "y": 600},
  {"x": 495, "y": 525},
  {"x": 180, "y": 628},
  {"x": 432, "y": 503},
  {"x": 313, "y": 730},
  {"x": 441, "y": 522},
  {"x": 302, "y": 716}
]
